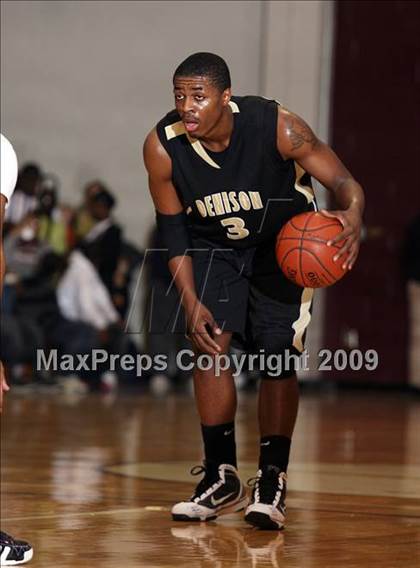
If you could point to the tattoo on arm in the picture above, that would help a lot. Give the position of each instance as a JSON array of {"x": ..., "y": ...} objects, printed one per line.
[{"x": 299, "y": 134}]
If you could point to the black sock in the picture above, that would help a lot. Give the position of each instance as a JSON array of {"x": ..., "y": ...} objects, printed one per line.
[
  {"x": 275, "y": 450},
  {"x": 219, "y": 443}
]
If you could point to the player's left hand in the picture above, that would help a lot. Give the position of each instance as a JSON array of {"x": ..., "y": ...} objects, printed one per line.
[
  {"x": 4, "y": 387},
  {"x": 352, "y": 227}
]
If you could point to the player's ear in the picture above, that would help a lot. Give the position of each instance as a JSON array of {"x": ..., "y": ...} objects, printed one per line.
[{"x": 226, "y": 95}]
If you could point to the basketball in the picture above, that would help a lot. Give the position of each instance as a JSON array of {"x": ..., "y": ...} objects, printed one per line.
[{"x": 302, "y": 252}]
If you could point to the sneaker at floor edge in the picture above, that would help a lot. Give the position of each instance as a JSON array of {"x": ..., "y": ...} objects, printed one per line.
[
  {"x": 14, "y": 552},
  {"x": 219, "y": 492},
  {"x": 267, "y": 509}
]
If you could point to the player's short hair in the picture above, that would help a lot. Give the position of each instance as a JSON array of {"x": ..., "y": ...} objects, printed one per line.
[{"x": 206, "y": 65}]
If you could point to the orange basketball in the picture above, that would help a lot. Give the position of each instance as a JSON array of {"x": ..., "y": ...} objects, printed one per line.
[{"x": 303, "y": 254}]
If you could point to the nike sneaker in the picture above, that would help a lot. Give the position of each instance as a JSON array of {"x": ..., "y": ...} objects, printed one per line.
[
  {"x": 14, "y": 552},
  {"x": 219, "y": 492},
  {"x": 267, "y": 509}
]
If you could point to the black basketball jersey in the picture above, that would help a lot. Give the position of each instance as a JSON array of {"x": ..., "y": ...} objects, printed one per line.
[{"x": 242, "y": 196}]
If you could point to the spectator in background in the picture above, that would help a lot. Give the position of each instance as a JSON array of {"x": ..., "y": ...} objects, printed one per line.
[
  {"x": 24, "y": 249},
  {"x": 83, "y": 297},
  {"x": 24, "y": 199},
  {"x": 84, "y": 221},
  {"x": 102, "y": 245},
  {"x": 54, "y": 221},
  {"x": 411, "y": 259},
  {"x": 36, "y": 322},
  {"x": 20, "y": 332}
]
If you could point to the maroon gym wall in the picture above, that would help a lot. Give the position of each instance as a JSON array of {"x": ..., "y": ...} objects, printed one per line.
[{"x": 375, "y": 129}]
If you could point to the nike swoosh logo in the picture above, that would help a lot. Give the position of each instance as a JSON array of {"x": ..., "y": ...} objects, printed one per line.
[
  {"x": 265, "y": 443},
  {"x": 228, "y": 432},
  {"x": 216, "y": 502}
]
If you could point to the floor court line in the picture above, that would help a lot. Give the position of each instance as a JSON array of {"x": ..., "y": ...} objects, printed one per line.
[
  {"x": 136, "y": 510},
  {"x": 148, "y": 509}
]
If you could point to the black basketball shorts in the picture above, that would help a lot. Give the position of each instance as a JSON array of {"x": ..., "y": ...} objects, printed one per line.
[{"x": 248, "y": 295}]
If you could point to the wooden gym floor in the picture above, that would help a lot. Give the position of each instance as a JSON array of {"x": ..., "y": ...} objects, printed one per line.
[{"x": 90, "y": 482}]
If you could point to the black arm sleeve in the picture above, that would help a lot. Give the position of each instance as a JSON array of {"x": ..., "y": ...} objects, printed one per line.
[{"x": 174, "y": 232}]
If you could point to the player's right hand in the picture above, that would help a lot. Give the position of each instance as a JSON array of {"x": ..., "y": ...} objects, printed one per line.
[
  {"x": 202, "y": 329},
  {"x": 4, "y": 387}
]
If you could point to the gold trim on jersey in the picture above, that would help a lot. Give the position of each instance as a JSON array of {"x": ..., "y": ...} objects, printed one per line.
[
  {"x": 304, "y": 318},
  {"x": 234, "y": 106},
  {"x": 178, "y": 128},
  {"x": 201, "y": 151},
  {"x": 174, "y": 130},
  {"x": 307, "y": 190}
]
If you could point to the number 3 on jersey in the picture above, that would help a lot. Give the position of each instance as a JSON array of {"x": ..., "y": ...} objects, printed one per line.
[{"x": 235, "y": 228}]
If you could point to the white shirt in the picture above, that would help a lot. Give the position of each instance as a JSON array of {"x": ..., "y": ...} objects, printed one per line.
[
  {"x": 98, "y": 229},
  {"x": 20, "y": 205},
  {"x": 82, "y": 296},
  {"x": 9, "y": 168}
]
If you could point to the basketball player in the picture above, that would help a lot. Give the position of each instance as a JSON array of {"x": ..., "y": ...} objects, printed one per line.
[
  {"x": 12, "y": 552},
  {"x": 225, "y": 174}
]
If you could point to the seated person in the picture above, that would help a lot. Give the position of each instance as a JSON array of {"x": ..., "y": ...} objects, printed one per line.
[
  {"x": 54, "y": 220},
  {"x": 83, "y": 220},
  {"x": 24, "y": 199},
  {"x": 24, "y": 249},
  {"x": 102, "y": 245},
  {"x": 82, "y": 295},
  {"x": 36, "y": 321}
]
